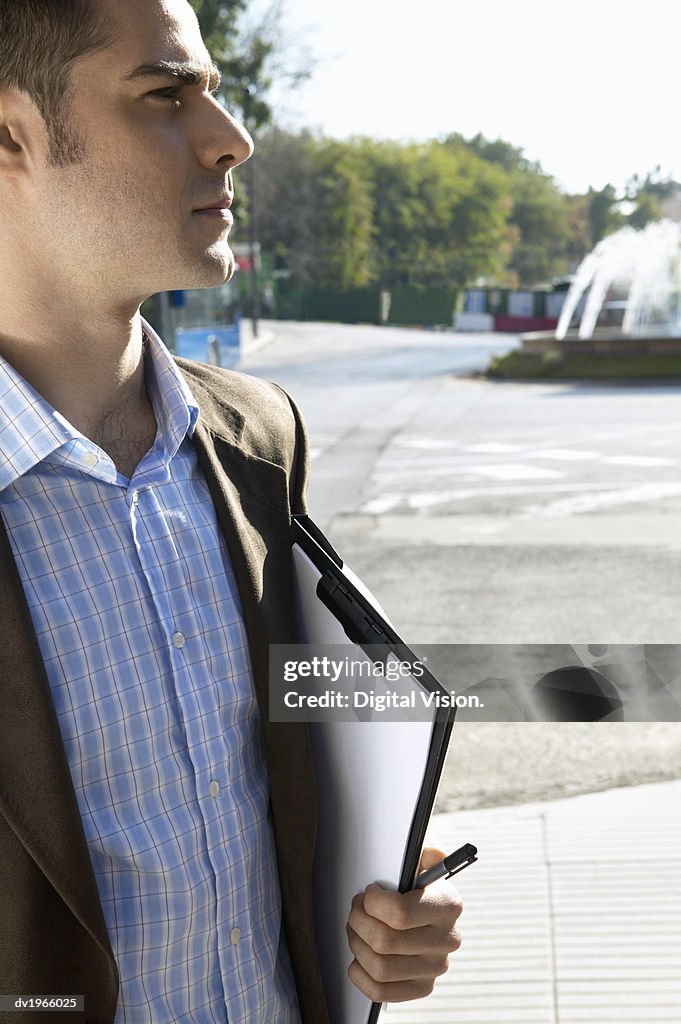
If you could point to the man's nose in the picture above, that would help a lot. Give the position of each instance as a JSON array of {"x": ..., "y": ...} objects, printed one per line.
[{"x": 225, "y": 141}]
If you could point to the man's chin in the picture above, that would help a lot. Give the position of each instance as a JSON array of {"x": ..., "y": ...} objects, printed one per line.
[
  {"x": 214, "y": 267},
  {"x": 208, "y": 269},
  {"x": 218, "y": 264}
]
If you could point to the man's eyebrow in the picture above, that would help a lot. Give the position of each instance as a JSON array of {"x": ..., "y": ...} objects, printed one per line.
[{"x": 189, "y": 74}]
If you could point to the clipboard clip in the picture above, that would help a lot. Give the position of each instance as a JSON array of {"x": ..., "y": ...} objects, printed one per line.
[{"x": 358, "y": 626}]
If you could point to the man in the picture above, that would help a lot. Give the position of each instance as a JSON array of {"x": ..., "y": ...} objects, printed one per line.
[{"x": 156, "y": 831}]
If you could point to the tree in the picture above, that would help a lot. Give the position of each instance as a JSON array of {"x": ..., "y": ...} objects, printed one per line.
[
  {"x": 542, "y": 219},
  {"x": 653, "y": 185},
  {"x": 578, "y": 230},
  {"x": 480, "y": 236},
  {"x": 252, "y": 55},
  {"x": 509, "y": 157},
  {"x": 440, "y": 213},
  {"x": 604, "y": 214},
  {"x": 646, "y": 210},
  {"x": 288, "y": 200},
  {"x": 344, "y": 230},
  {"x": 357, "y": 212},
  {"x": 539, "y": 212},
  {"x": 317, "y": 216},
  {"x": 218, "y": 20}
]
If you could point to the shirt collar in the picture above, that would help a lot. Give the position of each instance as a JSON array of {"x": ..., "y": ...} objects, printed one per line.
[
  {"x": 175, "y": 409},
  {"x": 32, "y": 430}
]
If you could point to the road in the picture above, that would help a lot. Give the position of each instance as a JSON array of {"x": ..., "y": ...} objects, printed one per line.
[{"x": 490, "y": 512}]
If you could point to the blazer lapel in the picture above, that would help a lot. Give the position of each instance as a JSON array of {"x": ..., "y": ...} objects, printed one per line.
[
  {"x": 36, "y": 792},
  {"x": 251, "y": 498}
]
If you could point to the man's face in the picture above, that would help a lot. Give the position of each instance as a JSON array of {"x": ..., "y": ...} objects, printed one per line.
[{"x": 144, "y": 209}]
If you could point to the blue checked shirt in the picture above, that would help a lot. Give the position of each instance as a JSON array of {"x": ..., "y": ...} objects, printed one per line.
[{"x": 139, "y": 623}]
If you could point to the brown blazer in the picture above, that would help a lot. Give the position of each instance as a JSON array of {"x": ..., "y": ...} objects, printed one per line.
[{"x": 53, "y": 939}]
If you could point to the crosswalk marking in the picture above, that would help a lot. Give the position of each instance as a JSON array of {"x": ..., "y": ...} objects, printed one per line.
[{"x": 445, "y": 472}]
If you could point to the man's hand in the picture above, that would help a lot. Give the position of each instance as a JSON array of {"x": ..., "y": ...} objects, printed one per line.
[{"x": 401, "y": 941}]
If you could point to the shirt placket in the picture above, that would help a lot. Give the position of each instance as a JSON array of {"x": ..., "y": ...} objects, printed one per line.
[{"x": 207, "y": 747}]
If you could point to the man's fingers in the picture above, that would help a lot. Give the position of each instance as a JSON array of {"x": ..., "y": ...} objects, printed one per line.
[
  {"x": 390, "y": 992},
  {"x": 388, "y": 968},
  {"x": 438, "y": 906},
  {"x": 401, "y": 941},
  {"x": 390, "y": 926}
]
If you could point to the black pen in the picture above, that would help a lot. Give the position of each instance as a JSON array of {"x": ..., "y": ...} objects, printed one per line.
[{"x": 451, "y": 865}]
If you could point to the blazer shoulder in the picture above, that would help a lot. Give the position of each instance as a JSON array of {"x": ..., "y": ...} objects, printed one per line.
[
  {"x": 258, "y": 416},
  {"x": 245, "y": 393},
  {"x": 240, "y": 407}
]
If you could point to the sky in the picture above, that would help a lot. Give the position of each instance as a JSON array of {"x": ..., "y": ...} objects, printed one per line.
[{"x": 590, "y": 89}]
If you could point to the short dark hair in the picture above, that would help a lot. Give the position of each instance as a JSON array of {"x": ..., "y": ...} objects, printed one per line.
[{"x": 40, "y": 40}]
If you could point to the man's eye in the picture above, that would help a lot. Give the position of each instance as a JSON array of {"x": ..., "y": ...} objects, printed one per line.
[{"x": 172, "y": 93}]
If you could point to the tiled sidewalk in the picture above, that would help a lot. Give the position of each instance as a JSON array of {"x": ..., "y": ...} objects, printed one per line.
[{"x": 572, "y": 914}]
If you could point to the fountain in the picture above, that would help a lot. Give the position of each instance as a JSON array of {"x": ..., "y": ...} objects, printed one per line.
[
  {"x": 632, "y": 278},
  {"x": 644, "y": 268}
]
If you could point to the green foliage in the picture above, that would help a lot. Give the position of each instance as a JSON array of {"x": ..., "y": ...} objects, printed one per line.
[
  {"x": 243, "y": 62},
  {"x": 438, "y": 214},
  {"x": 346, "y": 214},
  {"x": 539, "y": 213},
  {"x": 250, "y": 56},
  {"x": 604, "y": 215},
  {"x": 652, "y": 185},
  {"x": 444, "y": 214},
  {"x": 510, "y": 158},
  {"x": 247, "y": 82},
  {"x": 345, "y": 231},
  {"x": 218, "y": 22},
  {"x": 477, "y": 237},
  {"x": 288, "y": 201},
  {"x": 647, "y": 209},
  {"x": 644, "y": 196},
  {"x": 578, "y": 234}
]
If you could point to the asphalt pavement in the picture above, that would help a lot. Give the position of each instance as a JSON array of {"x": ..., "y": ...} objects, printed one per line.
[{"x": 488, "y": 513}]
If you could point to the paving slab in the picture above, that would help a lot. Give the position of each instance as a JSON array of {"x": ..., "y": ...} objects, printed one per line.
[{"x": 572, "y": 914}]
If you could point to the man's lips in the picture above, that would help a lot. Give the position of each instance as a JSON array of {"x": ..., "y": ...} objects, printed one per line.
[
  {"x": 216, "y": 206},
  {"x": 221, "y": 213}
]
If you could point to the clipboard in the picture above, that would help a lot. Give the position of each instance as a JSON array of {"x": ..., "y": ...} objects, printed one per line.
[{"x": 376, "y": 780}]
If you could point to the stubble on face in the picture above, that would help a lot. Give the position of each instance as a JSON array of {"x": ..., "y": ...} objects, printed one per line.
[{"x": 124, "y": 179}]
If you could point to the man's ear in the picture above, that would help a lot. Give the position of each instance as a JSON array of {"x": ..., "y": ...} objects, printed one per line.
[{"x": 21, "y": 130}]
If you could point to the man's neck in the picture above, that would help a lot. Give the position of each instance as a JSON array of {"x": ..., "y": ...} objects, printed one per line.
[{"x": 93, "y": 374}]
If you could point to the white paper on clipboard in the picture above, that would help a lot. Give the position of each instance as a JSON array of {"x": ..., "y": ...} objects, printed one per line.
[{"x": 375, "y": 787}]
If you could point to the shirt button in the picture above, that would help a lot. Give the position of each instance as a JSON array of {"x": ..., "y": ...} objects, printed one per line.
[
  {"x": 135, "y": 497},
  {"x": 90, "y": 459},
  {"x": 235, "y": 936},
  {"x": 179, "y": 640},
  {"x": 214, "y": 788}
]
